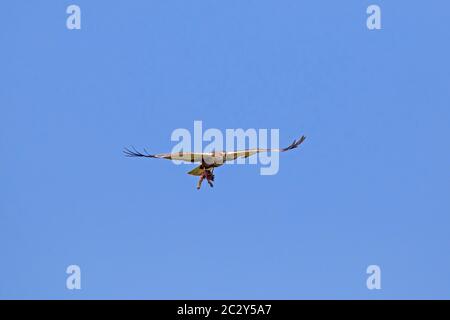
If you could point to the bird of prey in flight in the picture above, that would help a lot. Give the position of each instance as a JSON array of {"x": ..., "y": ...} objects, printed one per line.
[{"x": 208, "y": 160}]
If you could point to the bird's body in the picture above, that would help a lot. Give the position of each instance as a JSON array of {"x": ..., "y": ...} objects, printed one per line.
[{"x": 209, "y": 160}]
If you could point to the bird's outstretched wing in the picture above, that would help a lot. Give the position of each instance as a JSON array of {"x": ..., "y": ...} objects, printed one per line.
[
  {"x": 249, "y": 152},
  {"x": 182, "y": 156}
]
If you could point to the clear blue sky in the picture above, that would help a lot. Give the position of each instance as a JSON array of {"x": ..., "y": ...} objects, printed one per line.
[{"x": 369, "y": 186}]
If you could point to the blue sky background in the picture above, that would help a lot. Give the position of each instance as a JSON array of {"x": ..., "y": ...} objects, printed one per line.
[{"x": 369, "y": 186}]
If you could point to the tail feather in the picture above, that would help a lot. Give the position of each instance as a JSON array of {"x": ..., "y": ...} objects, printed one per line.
[{"x": 197, "y": 171}]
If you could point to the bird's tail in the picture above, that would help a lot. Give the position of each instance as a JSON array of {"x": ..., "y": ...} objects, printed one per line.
[{"x": 196, "y": 171}]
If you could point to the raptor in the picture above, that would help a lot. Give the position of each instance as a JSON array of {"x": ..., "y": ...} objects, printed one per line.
[{"x": 209, "y": 160}]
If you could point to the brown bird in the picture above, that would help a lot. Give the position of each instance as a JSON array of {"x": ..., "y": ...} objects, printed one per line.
[{"x": 208, "y": 160}]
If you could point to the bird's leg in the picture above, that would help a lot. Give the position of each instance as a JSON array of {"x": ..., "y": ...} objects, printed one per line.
[
  {"x": 199, "y": 184},
  {"x": 210, "y": 178}
]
